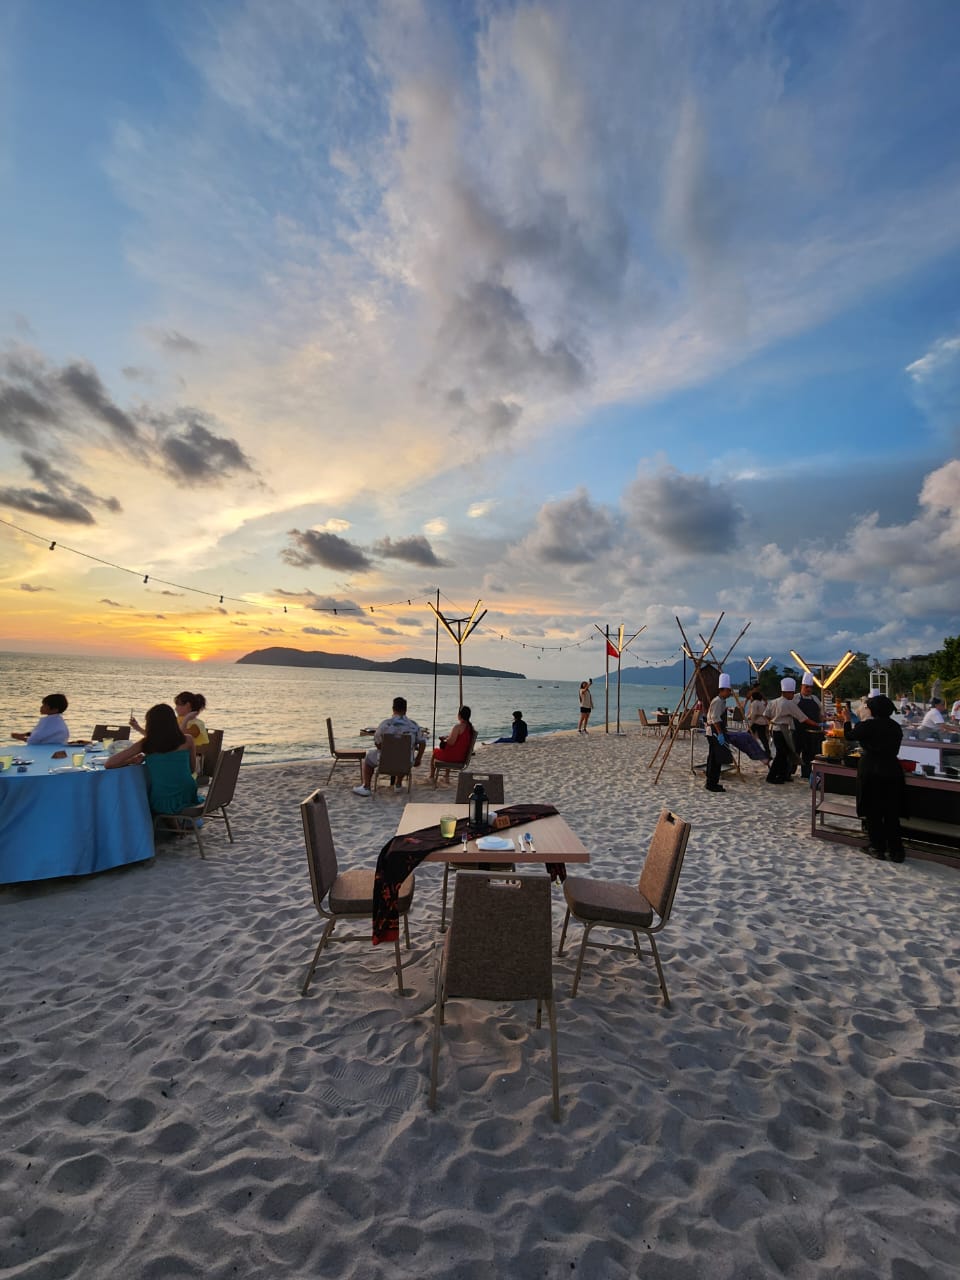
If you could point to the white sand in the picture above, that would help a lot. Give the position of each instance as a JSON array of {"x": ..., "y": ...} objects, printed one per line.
[{"x": 170, "y": 1106}]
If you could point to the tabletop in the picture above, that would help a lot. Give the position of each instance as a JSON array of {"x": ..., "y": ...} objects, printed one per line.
[{"x": 553, "y": 840}]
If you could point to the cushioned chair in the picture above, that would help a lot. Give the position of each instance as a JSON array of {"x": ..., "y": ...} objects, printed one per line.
[
  {"x": 207, "y": 757},
  {"x": 346, "y": 895},
  {"x": 221, "y": 792},
  {"x": 493, "y": 786},
  {"x": 351, "y": 756},
  {"x": 498, "y": 948},
  {"x": 643, "y": 908},
  {"x": 118, "y": 732},
  {"x": 394, "y": 760},
  {"x": 455, "y": 767}
]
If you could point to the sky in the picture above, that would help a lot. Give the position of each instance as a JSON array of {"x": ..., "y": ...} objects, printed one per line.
[{"x": 626, "y": 313}]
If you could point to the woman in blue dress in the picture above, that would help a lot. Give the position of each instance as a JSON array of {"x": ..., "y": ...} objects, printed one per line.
[{"x": 168, "y": 756}]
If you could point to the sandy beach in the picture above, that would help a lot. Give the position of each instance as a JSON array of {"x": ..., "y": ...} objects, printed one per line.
[{"x": 170, "y": 1106}]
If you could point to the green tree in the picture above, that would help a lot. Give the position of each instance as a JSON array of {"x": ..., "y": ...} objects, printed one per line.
[{"x": 946, "y": 662}]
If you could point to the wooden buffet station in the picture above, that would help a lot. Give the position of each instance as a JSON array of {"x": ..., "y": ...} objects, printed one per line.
[{"x": 931, "y": 828}]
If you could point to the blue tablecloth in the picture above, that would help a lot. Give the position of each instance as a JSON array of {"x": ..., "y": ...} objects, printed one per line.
[{"x": 70, "y": 823}]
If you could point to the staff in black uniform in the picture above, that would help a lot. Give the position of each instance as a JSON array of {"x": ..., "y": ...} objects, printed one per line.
[{"x": 880, "y": 781}]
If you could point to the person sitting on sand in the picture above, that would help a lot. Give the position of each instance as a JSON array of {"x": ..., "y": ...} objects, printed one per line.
[
  {"x": 51, "y": 729},
  {"x": 397, "y": 725},
  {"x": 519, "y": 733},
  {"x": 169, "y": 758},
  {"x": 455, "y": 747}
]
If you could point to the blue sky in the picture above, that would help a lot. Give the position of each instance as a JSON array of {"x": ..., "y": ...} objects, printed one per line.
[{"x": 609, "y": 313}]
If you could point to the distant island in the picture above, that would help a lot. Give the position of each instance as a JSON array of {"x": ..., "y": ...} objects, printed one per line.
[{"x": 280, "y": 657}]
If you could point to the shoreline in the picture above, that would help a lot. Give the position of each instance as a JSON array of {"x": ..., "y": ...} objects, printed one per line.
[{"x": 172, "y": 1105}]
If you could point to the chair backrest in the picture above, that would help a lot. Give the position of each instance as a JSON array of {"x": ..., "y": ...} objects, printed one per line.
[
  {"x": 643, "y": 718},
  {"x": 686, "y": 720},
  {"x": 208, "y": 755},
  {"x": 119, "y": 732},
  {"x": 736, "y": 715},
  {"x": 492, "y": 785},
  {"x": 661, "y": 867},
  {"x": 500, "y": 942},
  {"x": 395, "y": 753},
  {"x": 224, "y": 779},
  {"x": 321, "y": 855},
  {"x": 333, "y": 749}
]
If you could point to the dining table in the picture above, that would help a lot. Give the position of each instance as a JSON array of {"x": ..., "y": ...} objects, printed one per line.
[
  {"x": 552, "y": 838},
  {"x": 58, "y": 818}
]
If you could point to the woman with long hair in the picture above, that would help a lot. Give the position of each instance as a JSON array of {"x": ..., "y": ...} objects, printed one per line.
[
  {"x": 455, "y": 747},
  {"x": 169, "y": 758},
  {"x": 586, "y": 705}
]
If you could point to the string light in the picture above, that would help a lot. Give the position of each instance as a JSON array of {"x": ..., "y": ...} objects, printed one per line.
[{"x": 52, "y": 546}]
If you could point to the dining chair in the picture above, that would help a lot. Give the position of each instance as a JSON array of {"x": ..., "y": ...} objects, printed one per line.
[
  {"x": 642, "y": 908},
  {"x": 498, "y": 948},
  {"x": 343, "y": 895},
  {"x": 118, "y": 732},
  {"x": 493, "y": 786},
  {"x": 648, "y": 727},
  {"x": 343, "y": 756},
  {"x": 395, "y": 760},
  {"x": 456, "y": 766},
  {"x": 220, "y": 795},
  {"x": 208, "y": 755}
]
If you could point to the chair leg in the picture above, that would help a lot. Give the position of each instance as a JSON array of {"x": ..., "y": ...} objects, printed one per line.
[
  {"x": 443, "y": 899},
  {"x": 330, "y": 774},
  {"x": 539, "y": 1022},
  {"x": 563, "y": 932},
  {"x": 554, "y": 1065},
  {"x": 196, "y": 832},
  {"x": 227, "y": 823},
  {"x": 435, "y": 1054},
  {"x": 406, "y": 930},
  {"x": 316, "y": 955},
  {"x": 583, "y": 948},
  {"x": 656, "y": 956},
  {"x": 396, "y": 950}
]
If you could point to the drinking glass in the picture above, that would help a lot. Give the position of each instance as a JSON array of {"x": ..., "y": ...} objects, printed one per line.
[
  {"x": 448, "y": 825},
  {"x": 6, "y": 761},
  {"x": 78, "y": 759}
]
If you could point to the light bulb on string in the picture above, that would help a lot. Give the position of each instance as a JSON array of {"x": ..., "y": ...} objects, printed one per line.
[
  {"x": 52, "y": 545},
  {"x": 146, "y": 578}
]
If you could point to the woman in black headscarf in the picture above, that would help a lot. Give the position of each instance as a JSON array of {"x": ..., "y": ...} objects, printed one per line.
[{"x": 880, "y": 780}]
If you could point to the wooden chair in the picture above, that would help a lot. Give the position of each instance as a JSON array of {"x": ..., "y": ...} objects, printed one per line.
[
  {"x": 395, "y": 760},
  {"x": 454, "y": 767},
  {"x": 118, "y": 732},
  {"x": 649, "y": 727},
  {"x": 344, "y": 895},
  {"x": 685, "y": 722},
  {"x": 220, "y": 795},
  {"x": 493, "y": 786},
  {"x": 351, "y": 756},
  {"x": 498, "y": 948},
  {"x": 609, "y": 904}
]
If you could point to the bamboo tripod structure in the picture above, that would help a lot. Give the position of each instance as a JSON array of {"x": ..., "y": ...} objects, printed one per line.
[{"x": 700, "y": 662}]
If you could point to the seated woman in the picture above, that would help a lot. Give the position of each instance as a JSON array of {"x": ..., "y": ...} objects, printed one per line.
[
  {"x": 519, "y": 733},
  {"x": 169, "y": 758},
  {"x": 51, "y": 728},
  {"x": 455, "y": 747}
]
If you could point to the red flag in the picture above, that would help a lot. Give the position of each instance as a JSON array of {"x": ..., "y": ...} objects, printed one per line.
[{"x": 611, "y": 651}]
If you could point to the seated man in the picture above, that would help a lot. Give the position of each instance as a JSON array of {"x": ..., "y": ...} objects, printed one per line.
[
  {"x": 51, "y": 727},
  {"x": 397, "y": 725}
]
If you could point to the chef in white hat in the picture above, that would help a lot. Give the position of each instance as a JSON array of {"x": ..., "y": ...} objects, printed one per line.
[
  {"x": 783, "y": 714},
  {"x": 716, "y": 732},
  {"x": 808, "y": 742}
]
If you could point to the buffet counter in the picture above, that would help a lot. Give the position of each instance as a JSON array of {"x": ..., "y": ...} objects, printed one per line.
[{"x": 931, "y": 826}]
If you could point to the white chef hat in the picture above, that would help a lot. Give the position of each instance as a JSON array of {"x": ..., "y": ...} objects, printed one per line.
[
  {"x": 788, "y": 685},
  {"x": 807, "y": 678},
  {"x": 724, "y": 681}
]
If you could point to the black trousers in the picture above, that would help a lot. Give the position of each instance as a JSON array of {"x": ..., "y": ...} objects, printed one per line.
[
  {"x": 785, "y": 760},
  {"x": 808, "y": 744},
  {"x": 714, "y": 761},
  {"x": 879, "y": 805}
]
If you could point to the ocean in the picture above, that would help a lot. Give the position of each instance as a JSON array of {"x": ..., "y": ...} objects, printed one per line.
[{"x": 279, "y": 713}]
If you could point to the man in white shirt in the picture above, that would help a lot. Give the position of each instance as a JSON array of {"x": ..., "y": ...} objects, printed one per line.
[
  {"x": 934, "y": 717},
  {"x": 716, "y": 731},
  {"x": 51, "y": 729},
  {"x": 783, "y": 713},
  {"x": 396, "y": 725}
]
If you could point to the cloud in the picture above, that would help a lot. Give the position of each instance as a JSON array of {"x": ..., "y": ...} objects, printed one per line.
[
  {"x": 29, "y": 586},
  {"x": 477, "y": 510},
  {"x": 413, "y": 550},
  {"x": 436, "y": 528},
  {"x": 935, "y": 378},
  {"x": 36, "y": 502},
  {"x": 311, "y": 547},
  {"x": 21, "y": 412},
  {"x": 114, "y": 604},
  {"x": 691, "y": 514},
  {"x": 195, "y": 454},
  {"x": 571, "y": 531},
  {"x": 83, "y": 383},
  {"x": 177, "y": 343},
  {"x": 323, "y": 631}
]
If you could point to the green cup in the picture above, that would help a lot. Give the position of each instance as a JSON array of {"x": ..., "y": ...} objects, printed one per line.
[{"x": 448, "y": 826}]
